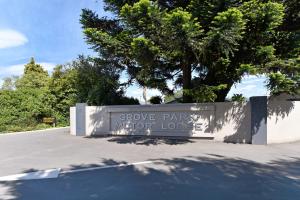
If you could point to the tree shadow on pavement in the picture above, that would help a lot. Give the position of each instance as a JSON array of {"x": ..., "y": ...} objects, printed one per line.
[
  {"x": 146, "y": 140},
  {"x": 211, "y": 177},
  {"x": 149, "y": 140}
]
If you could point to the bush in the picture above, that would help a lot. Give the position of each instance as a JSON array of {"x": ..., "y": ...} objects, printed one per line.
[
  {"x": 238, "y": 98},
  {"x": 155, "y": 100}
]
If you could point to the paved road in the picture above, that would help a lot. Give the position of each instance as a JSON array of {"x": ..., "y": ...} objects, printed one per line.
[{"x": 177, "y": 169}]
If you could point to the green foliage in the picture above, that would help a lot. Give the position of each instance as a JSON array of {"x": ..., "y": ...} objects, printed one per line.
[
  {"x": 238, "y": 98},
  {"x": 265, "y": 53},
  {"x": 23, "y": 108},
  {"x": 280, "y": 83},
  {"x": 284, "y": 76},
  {"x": 205, "y": 93},
  {"x": 219, "y": 41},
  {"x": 226, "y": 31},
  {"x": 33, "y": 67},
  {"x": 97, "y": 84},
  {"x": 175, "y": 96},
  {"x": 155, "y": 100},
  {"x": 26, "y": 100},
  {"x": 63, "y": 90},
  {"x": 262, "y": 16},
  {"x": 248, "y": 69},
  {"x": 34, "y": 76},
  {"x": 30, "y": 98}
]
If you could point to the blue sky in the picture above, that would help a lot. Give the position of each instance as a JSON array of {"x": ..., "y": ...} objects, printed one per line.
[
  {"x": 50, "y": 28},
  {"x": 49, "y": 31}
]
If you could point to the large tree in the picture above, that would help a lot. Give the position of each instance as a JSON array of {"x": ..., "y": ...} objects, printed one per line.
[
  {"x": 96, "y": 84},
  {"x": 204, "y": 46},
  {"x": 62, "y": 87},
  {"x": 26, "y": 100},
  {"x": 284, "y": 66},
  {"x": 34, "y": 77}
]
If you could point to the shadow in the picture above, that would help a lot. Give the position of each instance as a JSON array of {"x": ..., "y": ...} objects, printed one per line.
[
  {"x": 240, "y": 116},
  {"x": 212, "y": 121},
  {"x": 143, "y": 140},
  {"x": 229, "y": 122},
  {"x": 280, "y": 109},
  {"x": 145, "y": 120},
  {"x": 149, "y": 140},
  {"x": 281, "y": 106},
  {"x": 233, "y": 120},
  {"x": 212, "y": 177},
  {"x": 104, "y": 163}
]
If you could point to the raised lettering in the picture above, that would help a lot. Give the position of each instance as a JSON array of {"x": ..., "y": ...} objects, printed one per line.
[
  {"x": 122, "y": 117},
  {"x": 152, "y": 117},
  {"x": 165, "y": 116},
  {"x": 140, "y": 126},
  {"x": 129, "y": 117},
  {"x": 137, "y": 117},
  {"x": 172, "y": 125},
  {"x": 173, "y": 117},
  {"x": 144, "y": 116}
]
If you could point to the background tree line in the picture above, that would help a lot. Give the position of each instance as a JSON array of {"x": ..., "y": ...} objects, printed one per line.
[{"x": 25, "y": 100}]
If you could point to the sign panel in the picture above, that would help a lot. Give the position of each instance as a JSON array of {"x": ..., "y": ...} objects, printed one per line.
[
  {"x": 165, "y": 123},
  {"x": 49, "y": 120}
]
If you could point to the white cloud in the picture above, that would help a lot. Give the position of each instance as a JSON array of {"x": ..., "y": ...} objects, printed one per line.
[
  {"x": 11, "y": 38},
  {"x": 17, "y": 70}
]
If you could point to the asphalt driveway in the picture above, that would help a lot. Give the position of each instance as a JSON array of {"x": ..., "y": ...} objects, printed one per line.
[{"x": 141, "y": 168}]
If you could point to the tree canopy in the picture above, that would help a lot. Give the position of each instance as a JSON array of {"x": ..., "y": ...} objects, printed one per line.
[
  {"x": 34, "y": 76},
  {"x": 97, "y": 83},
  {"x": 27, "y": 99},
  {"x": 203, "y": 46}
]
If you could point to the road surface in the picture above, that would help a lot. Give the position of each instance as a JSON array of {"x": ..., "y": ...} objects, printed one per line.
[{"x": 141, "y": 168}]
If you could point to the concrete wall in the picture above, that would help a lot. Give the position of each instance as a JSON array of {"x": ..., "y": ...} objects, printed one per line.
[
  {"x": 97, "y": 120},
  {"x": 229, "y": 122},
  {"x": 262, "y": 120},
  {"x": 233, "y": 122},
  {"x": 283, "y": 121}
]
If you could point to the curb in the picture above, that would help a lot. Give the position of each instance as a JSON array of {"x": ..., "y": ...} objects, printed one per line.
[{"x": 36, "y": 131}]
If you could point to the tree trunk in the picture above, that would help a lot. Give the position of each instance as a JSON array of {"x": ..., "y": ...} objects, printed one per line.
[{"x": 187, "y": 83}]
